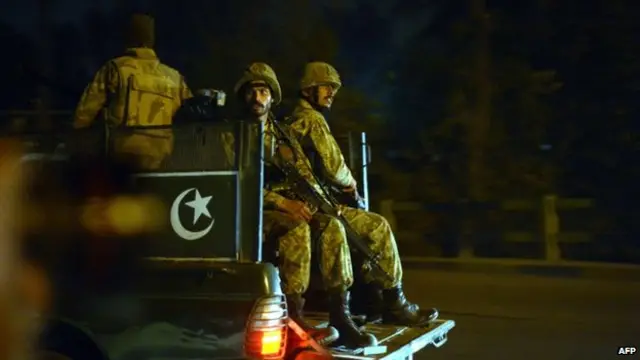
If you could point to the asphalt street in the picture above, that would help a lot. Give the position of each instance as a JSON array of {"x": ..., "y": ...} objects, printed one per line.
[{"x": 501, "y": 316}]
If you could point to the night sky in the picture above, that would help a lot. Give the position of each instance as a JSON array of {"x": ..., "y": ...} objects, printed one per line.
[
  {"x": 377, "y": 46},
  {"x": 23, "y": 14}
]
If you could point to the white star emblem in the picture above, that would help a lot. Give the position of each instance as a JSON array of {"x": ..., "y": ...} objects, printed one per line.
[{"x": 199, "y": 206}]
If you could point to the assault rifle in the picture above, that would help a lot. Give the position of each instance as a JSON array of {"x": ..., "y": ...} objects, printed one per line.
[
  {"x": 324, "y": 202},
  {"x": 353, "y": 200}
]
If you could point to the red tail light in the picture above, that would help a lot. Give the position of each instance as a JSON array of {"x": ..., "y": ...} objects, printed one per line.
[{"x": 266, "y": 336}]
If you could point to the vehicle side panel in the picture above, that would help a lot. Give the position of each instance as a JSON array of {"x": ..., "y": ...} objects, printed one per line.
[{"x": 180, "y": 310}]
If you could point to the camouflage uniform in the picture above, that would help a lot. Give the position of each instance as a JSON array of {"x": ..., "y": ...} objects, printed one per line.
[
  {"x": 332, "y": 251},
  {"x": 312, "y": 133},
  {"x": 294, "y": 247},
  {"x": 310, "y": 127},
  {"x": 136, "y": 90},
  {"x": 293, "y": 235}
]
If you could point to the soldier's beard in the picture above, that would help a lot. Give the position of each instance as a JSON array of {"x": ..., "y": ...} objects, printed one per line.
[{"x": 258, "y": 110}]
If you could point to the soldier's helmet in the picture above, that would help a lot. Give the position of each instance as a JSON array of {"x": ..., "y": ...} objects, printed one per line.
[
  {"x": 320, "y": 73},
  {"x": 261, "y": 72}
]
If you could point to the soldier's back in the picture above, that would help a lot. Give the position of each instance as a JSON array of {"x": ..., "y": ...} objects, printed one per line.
[{"x": 151, "y": 92}]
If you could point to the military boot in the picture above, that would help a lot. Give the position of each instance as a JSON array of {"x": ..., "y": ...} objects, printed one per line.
[
  {"x": 340, "y": 318},
  {"x": 323, "y": 336},
  {"x": 367, "y": 303},
  {"x": 398, "y": 310},
  {"x": 375, "y": 304}
]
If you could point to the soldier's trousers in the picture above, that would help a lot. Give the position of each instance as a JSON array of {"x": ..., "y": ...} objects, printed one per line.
[
  {"x": 377, "y": 231},
  {"x": 295, "y": 245}
]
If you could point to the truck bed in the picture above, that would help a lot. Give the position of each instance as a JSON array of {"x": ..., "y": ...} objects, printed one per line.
[{"x": 395, "y": 342}]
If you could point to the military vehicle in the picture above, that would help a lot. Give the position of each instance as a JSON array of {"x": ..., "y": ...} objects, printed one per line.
[{"x": 204, "y": 291}]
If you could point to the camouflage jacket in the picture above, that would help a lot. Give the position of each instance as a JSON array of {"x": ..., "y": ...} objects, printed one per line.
[
  {"x": 313, "y": 133},
  {"x": 292, "y": 154},
  {"x": 108, "y": 90},
  {"x": 273, "y": 143}
]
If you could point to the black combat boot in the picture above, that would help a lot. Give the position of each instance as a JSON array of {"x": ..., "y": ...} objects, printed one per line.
[
  {"x": 340, "y": 318},
  {"x": 324, "y": 336},
  {"x": 375, "y": 304},
  {"x": 366, "y": 303},
  {"x": 398, "y": 310}
]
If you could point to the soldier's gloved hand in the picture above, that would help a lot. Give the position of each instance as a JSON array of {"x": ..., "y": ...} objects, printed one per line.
[{"x": 297, "y": 209}]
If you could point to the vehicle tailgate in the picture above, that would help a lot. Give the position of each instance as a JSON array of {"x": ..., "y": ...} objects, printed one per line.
[{"x": 401, "y": 342}]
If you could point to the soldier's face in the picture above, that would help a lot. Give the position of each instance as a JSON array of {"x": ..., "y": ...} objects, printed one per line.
[
  {"x": 325, "y": 95},
  {"x": 258, "y": 99}
]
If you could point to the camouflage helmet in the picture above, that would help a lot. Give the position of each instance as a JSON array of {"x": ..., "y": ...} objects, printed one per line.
[
  {"x": 319, "y": 73},
  {"x": 261, "y": 72}
]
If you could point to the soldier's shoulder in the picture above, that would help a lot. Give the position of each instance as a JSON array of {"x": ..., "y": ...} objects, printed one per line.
[
  {"x": 306, "y": 117},
  {"x": 109, "y": 71},
  {"x": 121, "y": 61},
  {"x": 170, "y": 71},
  {"x": 128, "y": 60}
]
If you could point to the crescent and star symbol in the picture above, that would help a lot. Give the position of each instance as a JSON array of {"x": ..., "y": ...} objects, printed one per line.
[{"x": 199, "y": 205}]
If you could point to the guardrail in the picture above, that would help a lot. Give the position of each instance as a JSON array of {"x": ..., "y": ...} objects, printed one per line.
[{"x": 551, "y": 228}]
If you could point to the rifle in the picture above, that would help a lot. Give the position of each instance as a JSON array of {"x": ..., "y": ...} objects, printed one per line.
[
  {"x": 325, "y": 203},
  {"x": 353, "y": 200}
]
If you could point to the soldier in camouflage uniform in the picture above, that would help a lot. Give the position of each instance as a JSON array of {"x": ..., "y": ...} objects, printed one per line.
[
  {"x": 318, "y": 87},
  {"x": 136, "y": 90},
  {"x": 288, "y": 220}
]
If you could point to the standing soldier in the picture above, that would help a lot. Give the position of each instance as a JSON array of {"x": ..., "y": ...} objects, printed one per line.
[
  {"x": 136, "y": 90},
  {"x": 318, "y": 87}
]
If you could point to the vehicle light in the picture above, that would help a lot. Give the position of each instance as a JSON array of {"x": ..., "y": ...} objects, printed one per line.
[
  {"x": 266, "y": 335},
  {"x": 270, "y": 312},
  {"x": 271, "y": 342}
]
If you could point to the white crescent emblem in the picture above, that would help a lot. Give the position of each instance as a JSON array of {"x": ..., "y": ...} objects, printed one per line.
[{"x": 199, "y": 205}]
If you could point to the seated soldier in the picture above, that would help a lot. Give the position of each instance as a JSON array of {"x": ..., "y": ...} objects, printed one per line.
[
  {"x": 291, "y": 221},
  {"x": 318, "y": 87}
]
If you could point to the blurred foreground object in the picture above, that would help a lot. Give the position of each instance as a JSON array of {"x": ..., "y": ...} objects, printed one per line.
[
  {"x": 10, "y": 181},
  {"x": 86, "y": 221},
  {"x": 85, "y": 224},
  {"x": 14, "y": 324}
]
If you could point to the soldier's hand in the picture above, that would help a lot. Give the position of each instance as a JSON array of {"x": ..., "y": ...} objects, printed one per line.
[
  {"x": 297, "y": 209},
  {"x": 351, "y": 188}
]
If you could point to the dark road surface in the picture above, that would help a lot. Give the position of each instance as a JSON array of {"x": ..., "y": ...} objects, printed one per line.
[{"x": 526, "y": 317}]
